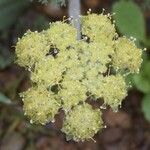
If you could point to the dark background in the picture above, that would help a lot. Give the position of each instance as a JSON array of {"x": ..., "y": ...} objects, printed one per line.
[{"x": 126, "y": 130}]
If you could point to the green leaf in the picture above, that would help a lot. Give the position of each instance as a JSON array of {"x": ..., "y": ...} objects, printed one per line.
[
  {"x": 142, "y": 84},
  {"x": 10, "y": 10},
  {"x": 4, "y": 99},
  {"x": 129, "y": 19},
  {"x": 142, "y": 80},
  {"x": 146, "y": 106},
  {"x": 147, "y": 42}
]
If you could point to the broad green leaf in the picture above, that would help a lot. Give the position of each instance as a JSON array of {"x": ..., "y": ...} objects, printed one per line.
[
  {"x": 129, "y": 19},
  {"x": 142, "y": 80},
  {"x": 146, "y": 106},
  {"x": 147, "y": 42},
  {"x": 142, "y": 83},
  {"x": 4, "y": 99}
]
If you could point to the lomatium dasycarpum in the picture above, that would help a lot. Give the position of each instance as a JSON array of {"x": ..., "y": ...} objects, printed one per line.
[{"x": 66, "y": 71}]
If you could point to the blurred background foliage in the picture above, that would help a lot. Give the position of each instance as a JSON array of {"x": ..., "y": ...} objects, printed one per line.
[
  {"x": 131, "y": 22},
  {"x": 56, "y": 2},
  {"x": 17, "y": 16}
]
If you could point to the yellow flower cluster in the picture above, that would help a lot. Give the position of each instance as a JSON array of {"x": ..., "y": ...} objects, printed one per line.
[
  {"x": 65, "y": 71},
  {"x": 127, "y": 56},
  {"x": 31, "y": 48},
  {"x": 81, "y": 127},
  {"x": 40, "y": 105}
]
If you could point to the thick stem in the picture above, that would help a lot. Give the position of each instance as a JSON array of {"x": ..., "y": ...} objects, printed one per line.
[{"x": 74, "y": 13}]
